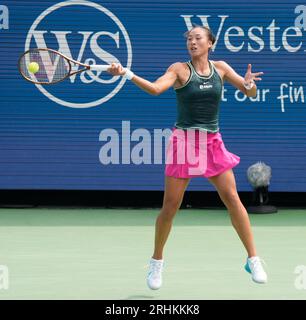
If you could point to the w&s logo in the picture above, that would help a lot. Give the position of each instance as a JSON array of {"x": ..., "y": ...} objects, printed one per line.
[{"x": 87, "y": 32}]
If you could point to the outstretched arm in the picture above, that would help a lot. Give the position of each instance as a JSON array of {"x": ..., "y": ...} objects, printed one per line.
[
  {"x": 241, "y": 83},
  {"x": 157, "y": 87}
]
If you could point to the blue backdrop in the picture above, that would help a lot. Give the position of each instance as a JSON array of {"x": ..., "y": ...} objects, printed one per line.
[{"x": 50, "y": 136}]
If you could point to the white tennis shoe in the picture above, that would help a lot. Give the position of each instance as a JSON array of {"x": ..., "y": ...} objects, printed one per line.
[
  {"x": 255, "y": 268},
  {"x": 154, "y": 278}
]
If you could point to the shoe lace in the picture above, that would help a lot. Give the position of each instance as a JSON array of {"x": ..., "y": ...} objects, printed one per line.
[
  {"x": 257, "y": 264},
  {"x": 156, "y": 268}
]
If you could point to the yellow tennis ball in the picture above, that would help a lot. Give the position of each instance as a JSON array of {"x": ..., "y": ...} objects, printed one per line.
[{"x": 33, "y": 67}]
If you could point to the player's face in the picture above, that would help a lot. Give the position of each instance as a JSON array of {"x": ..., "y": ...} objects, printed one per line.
[{"x": 198, "y": 42}]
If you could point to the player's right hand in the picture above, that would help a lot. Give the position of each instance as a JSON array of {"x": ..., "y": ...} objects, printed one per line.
[{"x": 116, "y": 69}]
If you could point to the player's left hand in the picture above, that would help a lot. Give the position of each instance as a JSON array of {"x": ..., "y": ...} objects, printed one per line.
[{"x": 251, "y": 77}]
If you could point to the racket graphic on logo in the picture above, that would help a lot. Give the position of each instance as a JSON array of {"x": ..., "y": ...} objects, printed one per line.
[{"x": 47, "y": 66}]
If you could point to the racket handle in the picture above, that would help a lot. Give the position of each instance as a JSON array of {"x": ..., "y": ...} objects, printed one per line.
[{"x": 99, "y": 67}]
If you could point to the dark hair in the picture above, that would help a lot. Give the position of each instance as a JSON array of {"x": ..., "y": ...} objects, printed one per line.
[{"x": 210, "y": 35}]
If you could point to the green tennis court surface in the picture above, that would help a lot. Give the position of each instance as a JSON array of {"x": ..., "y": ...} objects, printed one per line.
[{"x": 103, "y": 254}]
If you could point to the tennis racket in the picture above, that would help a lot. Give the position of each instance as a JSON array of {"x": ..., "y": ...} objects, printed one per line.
[{"x": 47, "y": 66}]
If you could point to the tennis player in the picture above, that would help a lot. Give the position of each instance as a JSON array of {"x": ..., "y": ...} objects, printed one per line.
[{"x": 198, "y": 85}]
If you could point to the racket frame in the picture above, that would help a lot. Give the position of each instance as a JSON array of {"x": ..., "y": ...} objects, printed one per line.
[{"x": 69, "y": 61}]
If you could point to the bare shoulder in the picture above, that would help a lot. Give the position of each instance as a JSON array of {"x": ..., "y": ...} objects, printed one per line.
[
  {"x": 230, "y": 75},
  {"x": 182, "y": 72},
  {"x": 221, "y": 66},
  {"x": 177, "y": 67}
]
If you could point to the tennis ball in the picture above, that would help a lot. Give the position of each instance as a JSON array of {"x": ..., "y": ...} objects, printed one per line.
[{"x": 33, "y": 67}]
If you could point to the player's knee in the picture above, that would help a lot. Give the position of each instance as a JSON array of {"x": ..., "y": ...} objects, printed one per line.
[
  {"x": 231, "y": 198},
  {"x": 167, "y": 215},
  {"x": 170, "y": 207}
]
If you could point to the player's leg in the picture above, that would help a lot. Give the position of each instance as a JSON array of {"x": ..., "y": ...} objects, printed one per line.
[
  {"x": 173, "y": 196},
  {"x": 226, "y": 186}
]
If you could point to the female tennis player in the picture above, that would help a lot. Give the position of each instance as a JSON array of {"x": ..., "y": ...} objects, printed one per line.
[{"x": 198, "y": 85}]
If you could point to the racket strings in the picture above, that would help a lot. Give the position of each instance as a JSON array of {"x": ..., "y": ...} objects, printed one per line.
[{"x": 52, "y": 67}]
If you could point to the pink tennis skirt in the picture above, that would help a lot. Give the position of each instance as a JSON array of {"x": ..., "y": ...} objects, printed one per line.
[{"x": 197, "y": 154}]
